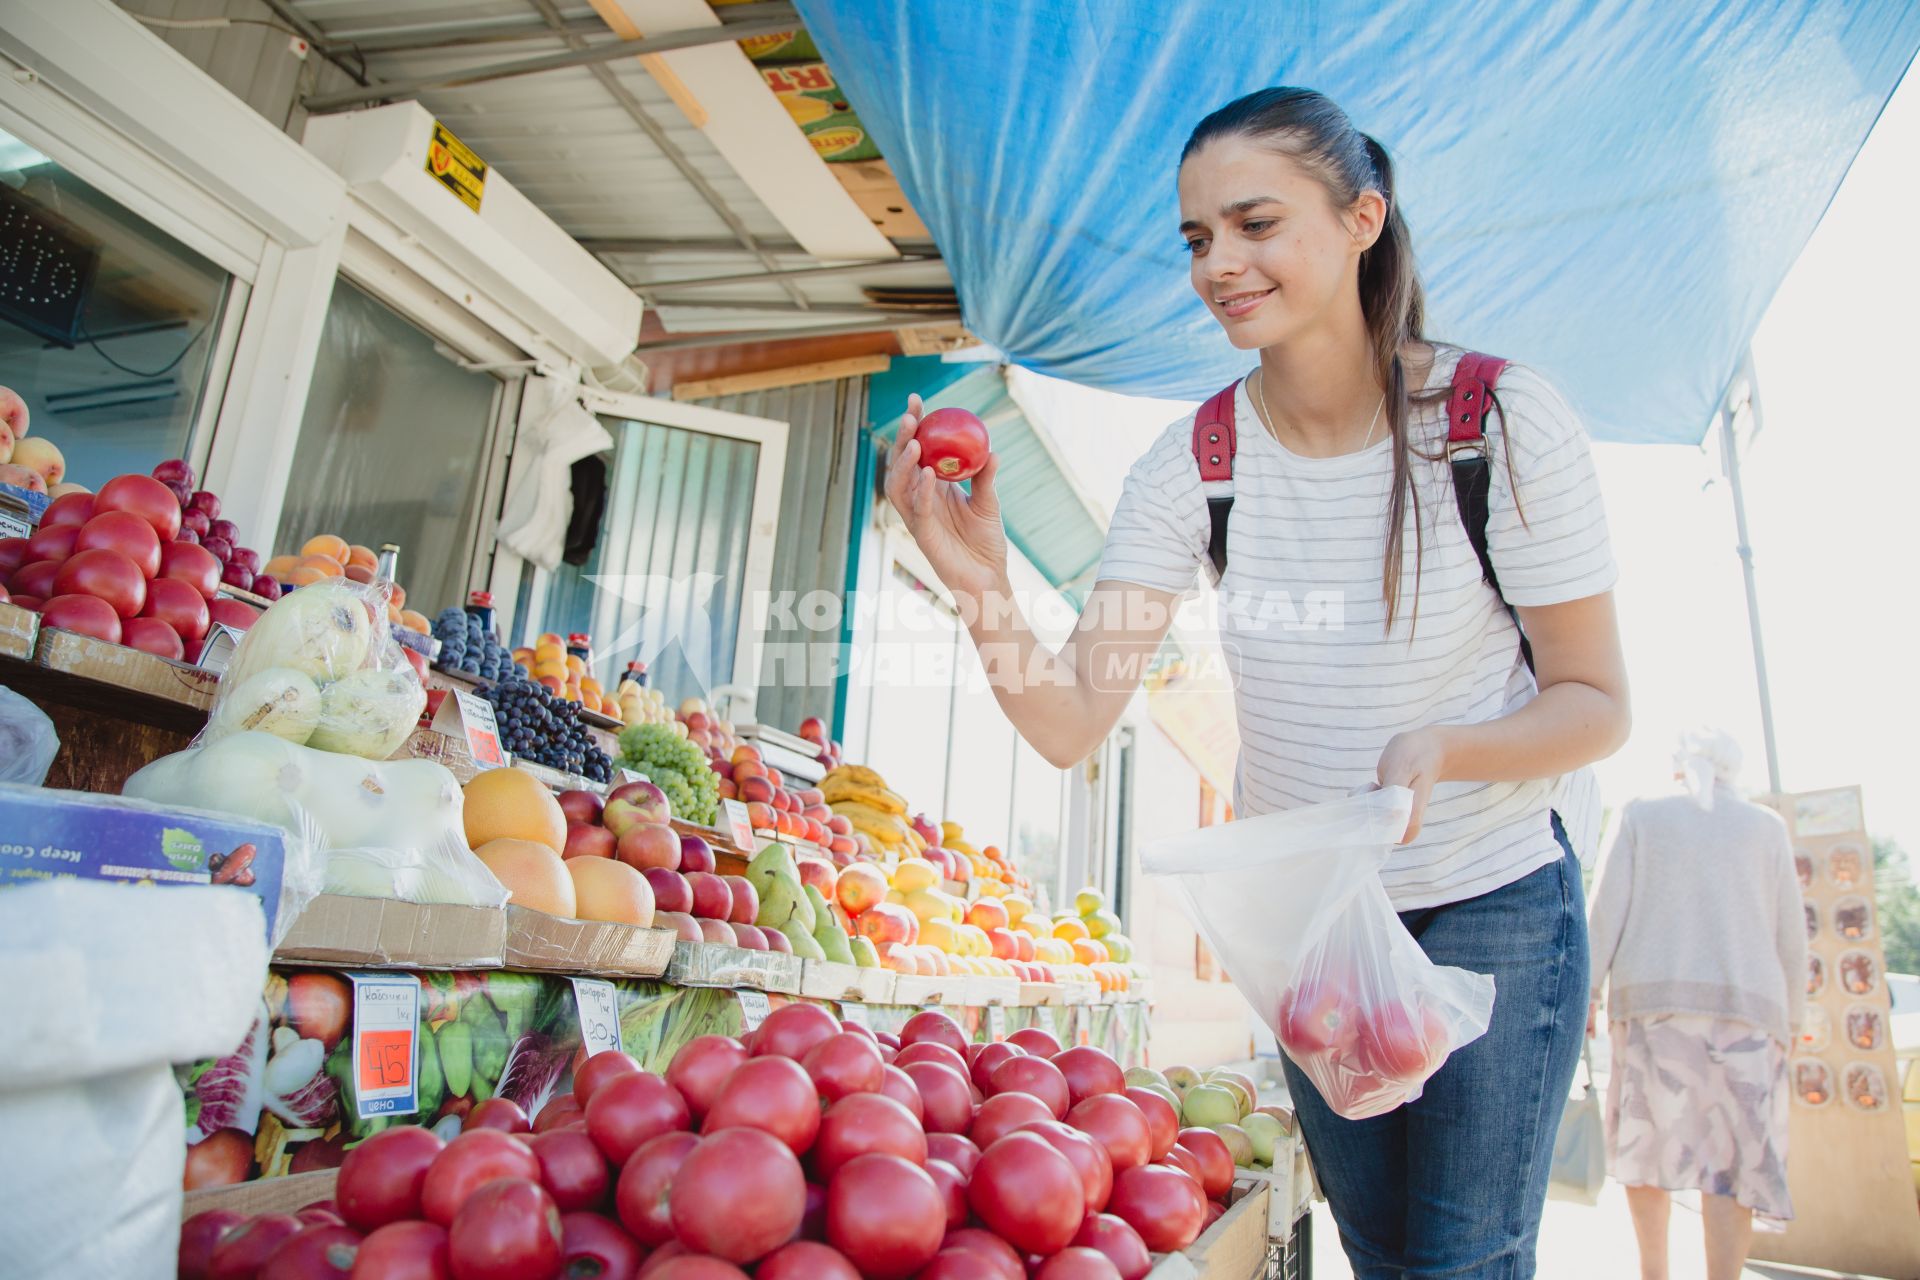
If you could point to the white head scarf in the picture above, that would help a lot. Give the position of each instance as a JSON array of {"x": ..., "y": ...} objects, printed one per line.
[{"x": 1703, "y": 758}]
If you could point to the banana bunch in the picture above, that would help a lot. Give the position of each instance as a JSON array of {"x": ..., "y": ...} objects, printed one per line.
[
  {"x": 887, "y": 830},
  {"x": 861, "y": 785}
]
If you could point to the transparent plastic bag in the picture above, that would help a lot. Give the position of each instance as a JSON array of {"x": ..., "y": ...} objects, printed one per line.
[
  {"x": 1293, "y": 905},
  {"x": 28, "y": 742},
  {"x": 391, "y": 828},
  {"x": 320, "y": 668}
]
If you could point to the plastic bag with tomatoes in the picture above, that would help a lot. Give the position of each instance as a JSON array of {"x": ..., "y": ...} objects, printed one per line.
[{"x": 1293, "y": 906}]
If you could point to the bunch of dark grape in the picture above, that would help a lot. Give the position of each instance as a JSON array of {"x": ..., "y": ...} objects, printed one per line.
[
  {"x": 539, "y": 725},
  {"x": 472, "y": 650}
]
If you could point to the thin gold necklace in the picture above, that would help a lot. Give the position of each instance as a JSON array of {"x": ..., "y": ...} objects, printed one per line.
[{"x": 1261, "y": 392}]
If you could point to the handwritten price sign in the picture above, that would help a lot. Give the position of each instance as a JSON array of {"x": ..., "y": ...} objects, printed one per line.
[
  {"x": 386, "y": 1043},
  {"x": 599, "y": 1014}
]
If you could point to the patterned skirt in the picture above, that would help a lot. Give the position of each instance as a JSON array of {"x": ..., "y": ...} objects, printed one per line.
[{"x": 1700, "y": 1103}]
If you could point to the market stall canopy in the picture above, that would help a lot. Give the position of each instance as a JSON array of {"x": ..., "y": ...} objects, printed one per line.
[{"x": 1610, "y": 192}]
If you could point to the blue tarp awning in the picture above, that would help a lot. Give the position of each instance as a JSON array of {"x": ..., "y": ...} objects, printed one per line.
[{"x": 1611, "y": 191}]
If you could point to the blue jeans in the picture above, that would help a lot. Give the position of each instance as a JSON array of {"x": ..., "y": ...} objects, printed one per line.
[{"x": 1452, "y": 1184}]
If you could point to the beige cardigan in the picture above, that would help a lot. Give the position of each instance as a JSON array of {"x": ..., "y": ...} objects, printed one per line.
[{"x": 1699, "y": 911}]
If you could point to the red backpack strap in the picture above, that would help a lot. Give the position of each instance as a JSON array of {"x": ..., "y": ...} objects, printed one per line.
[
  {"x": 1214, "y": 444},
  {"x": 1214, "y": 440},
  {"x": 1474, "y": 380}
]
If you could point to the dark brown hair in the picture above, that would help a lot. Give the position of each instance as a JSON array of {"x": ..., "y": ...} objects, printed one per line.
[{"x": 1312, "y": 130}]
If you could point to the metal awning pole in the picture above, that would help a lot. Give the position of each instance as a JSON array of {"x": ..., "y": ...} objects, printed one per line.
[{"x": 1730, "y": 461}]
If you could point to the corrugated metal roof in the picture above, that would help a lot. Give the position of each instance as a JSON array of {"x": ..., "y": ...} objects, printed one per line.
[{"x": 565, "y": 139}]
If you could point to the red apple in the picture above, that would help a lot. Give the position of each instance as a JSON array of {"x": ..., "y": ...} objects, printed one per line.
[
  {"x": 746, "y": 899},
  {"x": 584, "y": 840},
  {"x": 696, "y": 854},
  {"x": 634, "y": 803},
  {"x": 684, "y": 926},
  {"x": 581, "y": 806},
  {"x": 712, "y": 899},
  {"x": 671, "y": 892},
  {"x": 718, "y": 931},
  {"x": 647, "y": 844}
]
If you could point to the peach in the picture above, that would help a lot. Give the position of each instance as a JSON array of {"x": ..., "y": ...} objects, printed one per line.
[
  {"x": 327, "y": 545},
  {"x": 37, "y": 453},
  {"x": 357, "y": 554},
  {"x": 649, "y": 844},
  {"x": 22, "y": 477}
]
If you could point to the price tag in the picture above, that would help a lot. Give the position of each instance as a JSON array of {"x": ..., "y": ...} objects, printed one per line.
[
  {"x": 856, "y": 1013},
  {"x": 599, "y": 1014},
  {"x": 217, "y": 651},
  {"x": 13, "y": 526},
  {"x": 631, "y": 775},
  {"x": 1043, "y": 1017},
  {"x": 996, "y": 1022},
  {"x": 386, "y": 1043},
  {"x": 469, "y": 716},
  {"x": 736, "y": 815},
  {"x": 754, "y": 1008}
]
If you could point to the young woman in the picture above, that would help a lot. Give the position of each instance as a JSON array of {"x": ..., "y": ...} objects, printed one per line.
[{"x": 1413, "y": 675}]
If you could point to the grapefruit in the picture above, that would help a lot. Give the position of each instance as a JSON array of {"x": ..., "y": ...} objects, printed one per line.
[
  {"x": 511, "y": 804},
  {"x": 533, "y": 874},
  {"x": 608, "y": 890}
]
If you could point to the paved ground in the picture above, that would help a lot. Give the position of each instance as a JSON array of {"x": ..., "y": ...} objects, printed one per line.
[{"x": 1581, "y": 1243}]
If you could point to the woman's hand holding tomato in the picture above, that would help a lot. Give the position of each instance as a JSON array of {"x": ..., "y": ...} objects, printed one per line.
[{"x": 960, "y": 533}]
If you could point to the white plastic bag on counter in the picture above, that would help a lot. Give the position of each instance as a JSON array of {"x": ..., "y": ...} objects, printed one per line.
[
  {"x": 1293, "y": 905},
  {"x": 321, "y": 669},
  {"x": 100, "y": 990},
  {"x": 28, "y": 742},
  {"x": 392, "y": 828}
]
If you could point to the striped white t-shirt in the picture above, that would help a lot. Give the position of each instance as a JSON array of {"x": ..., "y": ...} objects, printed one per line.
[{"x": 1320, "y": 685}]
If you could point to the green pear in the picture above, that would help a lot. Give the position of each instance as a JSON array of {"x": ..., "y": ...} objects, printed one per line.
[
  {"x": 803, "y": 943},
  {"x": 865, "y": 954},
  {"x": 827, "y": 931}
]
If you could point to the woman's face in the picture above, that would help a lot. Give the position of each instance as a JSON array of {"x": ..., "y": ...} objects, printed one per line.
[{"x": 1271, "y": 255}]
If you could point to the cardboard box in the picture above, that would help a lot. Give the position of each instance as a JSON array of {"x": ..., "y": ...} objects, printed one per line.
[
  {"x": 711, "y": 964},
  {"x": 383, "y": 933},
  {"x": 19, "y": 629},
  {"x": 267, "y": 1195},
  {"x": 826, "y": 980},
  {"x": 125, "y": 668},
  {"x": 51, "y": 835},
  {"x": 536, "y": 940},
  {"x": 1233, "y": 1248}
]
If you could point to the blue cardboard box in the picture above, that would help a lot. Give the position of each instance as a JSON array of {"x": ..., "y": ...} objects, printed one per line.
[{"x": 47, "y": 835}]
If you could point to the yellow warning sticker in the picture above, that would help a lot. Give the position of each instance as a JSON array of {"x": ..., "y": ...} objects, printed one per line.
[{"x": 452, "y": 164}]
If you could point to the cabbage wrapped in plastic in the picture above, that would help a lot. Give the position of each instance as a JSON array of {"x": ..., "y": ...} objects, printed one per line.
[
  {"x": 402, "y": 818},
  {"x": 323, "y": 631},
  {"x": 280, "y": 700},
  {"x": 369, "y": 713}
]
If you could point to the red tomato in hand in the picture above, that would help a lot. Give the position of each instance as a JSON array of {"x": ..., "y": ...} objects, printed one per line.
[
  {"x": 953, "y": 442},
  {"x": 1316, "y": 1016},
  {"x": 507, "y": 1230}
]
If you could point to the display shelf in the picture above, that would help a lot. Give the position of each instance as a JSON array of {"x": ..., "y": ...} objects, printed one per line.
[
  {"x": 712, "y": 964},
  {"x": 926, "y": 989},
  {"x": 827, "y": 980}
]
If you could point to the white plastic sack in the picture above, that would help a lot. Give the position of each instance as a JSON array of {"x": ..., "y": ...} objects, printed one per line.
[
  {"x": 1293, "y": 905},
  {"x": 28, "y": 742},
  {"x": 100, "y": 990},
  {"x": 555, "y": 431}
]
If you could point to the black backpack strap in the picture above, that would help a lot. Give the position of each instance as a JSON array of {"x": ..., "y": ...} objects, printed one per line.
[
  {"x": 1474, "y": 383},
  {"x": 1214, "y": 444}
]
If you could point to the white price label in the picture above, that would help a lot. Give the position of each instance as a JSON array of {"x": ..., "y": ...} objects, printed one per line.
[
  {"x": 856, "y": 1013},
  {"x": 754, "y": 1008},
  {"x": 386, "y": 1043},
  {"x": 470, "y": 717},
  {"x": 216, "y": 651},
  {"x": 996, "y": 1022},
  {"x": 12, "y": 526},
  {"x": 599, "y": 1014},
  {"x": 737, "y": 823},
  {"x": 630, "y": 776}
]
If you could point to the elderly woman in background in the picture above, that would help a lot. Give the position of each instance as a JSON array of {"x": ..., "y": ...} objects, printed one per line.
[{"x": 1697, "y": 919}]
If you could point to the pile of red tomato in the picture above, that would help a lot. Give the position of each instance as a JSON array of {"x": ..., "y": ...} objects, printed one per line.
[
  {"x": 118, "y": 565},
  {"x": 813, "y": 1150}
]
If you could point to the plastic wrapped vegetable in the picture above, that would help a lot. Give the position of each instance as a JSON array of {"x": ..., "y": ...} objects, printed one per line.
[
  {"x": 321, "y": 668},
  {"x": 28, "y": 742},
  {"x": 392, "y": 828}
]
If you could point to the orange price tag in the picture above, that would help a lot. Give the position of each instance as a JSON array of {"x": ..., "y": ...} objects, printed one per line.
[{"x": 386, "y": 1059}]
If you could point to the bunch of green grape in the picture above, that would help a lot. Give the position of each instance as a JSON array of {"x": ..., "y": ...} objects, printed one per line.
[{"x": 677, "y": 767}]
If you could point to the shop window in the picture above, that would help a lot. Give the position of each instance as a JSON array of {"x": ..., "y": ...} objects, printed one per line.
[
  {"x": 393, "y": 448},
  {"x": 108, "y": 325},
  {"x": 663, "y": 582},
  {"x": 1039, "y": 820},
  {"x": 981, "y": 763},
  {"x": 912, "y": 664}
]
